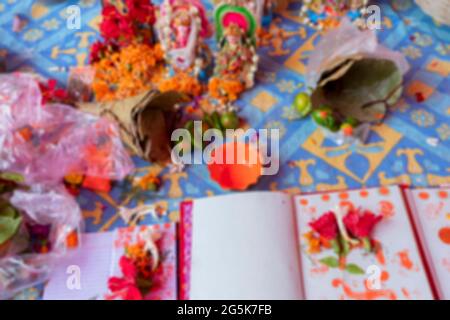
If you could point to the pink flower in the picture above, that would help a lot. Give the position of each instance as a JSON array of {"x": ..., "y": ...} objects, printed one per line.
[
  {"x": 361, "y": 225},
  {"x": 326, "y": 226}
]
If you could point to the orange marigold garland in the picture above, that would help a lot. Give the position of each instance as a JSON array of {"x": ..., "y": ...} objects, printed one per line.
[
  {"x": 128, "y": 60},
  {"x": 225, "y": 90},
  {"x": 128, "y": 72},
  {"x": 182, "y": 82}
]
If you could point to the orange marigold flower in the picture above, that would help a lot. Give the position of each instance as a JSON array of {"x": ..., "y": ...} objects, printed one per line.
[
  {"x": 314, "y": 243},
  {"x": 225, "y": 90},
  {"x": 132, "y": 70}
]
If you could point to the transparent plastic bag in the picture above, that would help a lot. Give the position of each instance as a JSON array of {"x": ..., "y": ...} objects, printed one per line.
[
  {"x": 44, "y": 143},
  {"x": 348, "y": 41},
  {"x": 52, "y": 207}
]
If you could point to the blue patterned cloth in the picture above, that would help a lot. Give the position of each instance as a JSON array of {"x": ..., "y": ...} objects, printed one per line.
[{"x": 412, "y": 146}]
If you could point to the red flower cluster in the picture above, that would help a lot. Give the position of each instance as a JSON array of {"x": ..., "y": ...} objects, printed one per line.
[
  {"x": 359, "y": 225},
  {"x": 138, "y": 279},
  {"x": 123, "y": 28},
  {"x": 119, "y": 30},
  {"x": 52, "y": 94},
  {"x": 115, "y": 26},
  {"x": 326, "y": 226},
  {"x": 141, "y": 11}
]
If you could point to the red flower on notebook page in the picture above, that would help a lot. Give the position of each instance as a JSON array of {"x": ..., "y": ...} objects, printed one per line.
[
  {"x": 125, "y": 287},
  {"x": 326, "y": 226},
  {"x": 361, "y": 225},
  {"x": 343, "y": 230},
  {"x": 142, "y": 270}
]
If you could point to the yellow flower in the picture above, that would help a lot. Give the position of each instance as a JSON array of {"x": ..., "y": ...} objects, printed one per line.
[{"x": 313, "y": 242}]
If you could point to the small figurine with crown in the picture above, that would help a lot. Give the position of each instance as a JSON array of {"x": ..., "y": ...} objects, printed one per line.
[
  {"x": 325, "y": 14},
  {"x": 267, "y": 12},
  {"x": 261, "y": 9},
  {"x": 182, "y": 27},
  {"x": 236, "y": 60}
]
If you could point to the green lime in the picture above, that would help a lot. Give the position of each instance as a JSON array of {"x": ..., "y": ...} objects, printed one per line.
[
  {"x": 229, "y": 120},
  {"x": 302, "y": 104},
  {"x": 352, "y": 121}
]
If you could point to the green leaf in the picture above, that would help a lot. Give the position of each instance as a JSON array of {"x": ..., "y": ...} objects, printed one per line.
[
  {"x": 354, "y": 269},
  {"x": 12, "y": 177},
  {"x": 364, "y": 92},
  {"x": 8, "y": 212},
  {"x": 331, "y": 262},
  {"x": 8, "y": 227}
]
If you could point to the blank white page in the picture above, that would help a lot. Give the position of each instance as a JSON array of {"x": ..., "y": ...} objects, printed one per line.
[
  {"x": 244, "y": 246},
  {"x": 431, "y": 210},
  {"x": 93, "y": 261}
]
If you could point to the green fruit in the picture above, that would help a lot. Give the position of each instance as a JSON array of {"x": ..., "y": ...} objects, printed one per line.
[
  {"x": 324, "y": 117},
  {"x": 302, "y": 104},
  {"x": 352, "y": 122},
  {"x": 347, "y": 129},
  {"x": 229, "y": 120}
]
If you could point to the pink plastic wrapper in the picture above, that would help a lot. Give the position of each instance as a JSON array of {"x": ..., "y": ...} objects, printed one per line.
[{"x": 44, "y": 143}]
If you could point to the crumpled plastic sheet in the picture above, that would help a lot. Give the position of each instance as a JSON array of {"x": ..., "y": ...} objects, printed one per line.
[{"x": 44, "y": 143}]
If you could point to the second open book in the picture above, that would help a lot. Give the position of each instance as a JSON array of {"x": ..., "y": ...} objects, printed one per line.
[{"x": 262, "y": 246}]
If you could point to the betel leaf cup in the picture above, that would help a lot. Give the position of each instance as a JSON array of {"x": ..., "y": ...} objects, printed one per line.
[
  {"x": 146, "y": 121},
  {"x": 244, "y": 169},
  {"x": 354, "y": 75}
]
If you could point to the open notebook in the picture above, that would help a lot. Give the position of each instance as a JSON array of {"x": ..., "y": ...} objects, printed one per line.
[
  {"x": 431, "y": 212},
  {"x": 84, "y": 274},
  {"x": 260, "y": 246}
]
